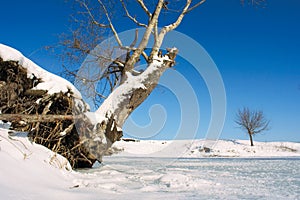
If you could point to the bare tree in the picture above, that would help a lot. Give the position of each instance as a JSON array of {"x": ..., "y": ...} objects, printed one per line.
[
  {"x": 120, "y": 87},
  {"x": 123, "y": 87},
  {"x": 253, "y": 122}
]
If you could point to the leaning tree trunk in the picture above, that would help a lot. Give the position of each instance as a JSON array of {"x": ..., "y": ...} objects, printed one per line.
[
  {"x": 86, "y": 137},
  {"x": 63, "y": 124},
  {"x": 123, "y": 101}
]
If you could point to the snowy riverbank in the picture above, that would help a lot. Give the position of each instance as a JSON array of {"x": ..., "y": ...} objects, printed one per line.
[
  {"x": 31, "y": 171},
  {"x": 196, "y": 148}
]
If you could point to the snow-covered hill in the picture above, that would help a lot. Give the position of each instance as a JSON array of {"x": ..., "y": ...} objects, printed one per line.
[{"x": 196, "y": 148}]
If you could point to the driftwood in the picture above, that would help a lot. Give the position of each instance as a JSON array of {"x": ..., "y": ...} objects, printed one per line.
[
  {"x": 22, "y": 118},
  {"x": 52, "y": 120}
]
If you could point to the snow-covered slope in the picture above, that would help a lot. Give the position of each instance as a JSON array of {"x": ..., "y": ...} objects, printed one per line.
[
  {"x": 28, "y": 168},
  {"x": 195, "y": 149},
  {"x": 51, "y": 82},
  {"x": 31, "y": 171}
]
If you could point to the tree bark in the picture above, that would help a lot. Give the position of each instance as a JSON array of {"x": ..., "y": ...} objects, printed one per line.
[
  {"x": 251, "y": 139},
  {"x": 36, "y": 118},
  {"x": 122, "y": 102},
  {"x": 135, "y": 89}
]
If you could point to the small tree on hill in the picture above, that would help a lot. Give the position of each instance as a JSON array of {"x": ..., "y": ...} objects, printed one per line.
[{"x": 252, "y": 121}]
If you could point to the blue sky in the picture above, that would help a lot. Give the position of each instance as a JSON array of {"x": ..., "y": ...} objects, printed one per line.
[{"x": 257, "y": 51}]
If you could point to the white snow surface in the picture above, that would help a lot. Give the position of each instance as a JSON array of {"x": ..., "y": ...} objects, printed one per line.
[
  {"x": 28, "y": 169},
  {"x": 195, "y": 148},
  {"x": 51, "y": 82},
  {"x": 31, "y": 171}
]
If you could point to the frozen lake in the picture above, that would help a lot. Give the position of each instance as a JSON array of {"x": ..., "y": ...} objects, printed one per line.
[{"x": 204, "y": 178}]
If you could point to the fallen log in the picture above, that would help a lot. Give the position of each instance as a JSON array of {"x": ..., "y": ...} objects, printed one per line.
[{"x": 37, "y": 118}]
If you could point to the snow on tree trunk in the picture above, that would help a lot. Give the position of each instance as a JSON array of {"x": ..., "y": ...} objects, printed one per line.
[
  {"x": 65, "y": 126},
  {"x": 114, "y": 111}
]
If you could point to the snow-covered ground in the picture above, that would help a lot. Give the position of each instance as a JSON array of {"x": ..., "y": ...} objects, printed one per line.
[
  {"x": 196, "y": 148},
  {"x": 31, "y": 171}
]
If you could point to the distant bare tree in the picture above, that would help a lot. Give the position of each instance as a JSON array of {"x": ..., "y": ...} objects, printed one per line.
[{"x": 252, "y": 121}]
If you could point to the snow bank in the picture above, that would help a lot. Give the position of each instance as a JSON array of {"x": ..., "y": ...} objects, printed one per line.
[
  {"x": 51, "y": 82},
  {"x": 27, "y": 168},
  {"x": 195, "y": 149}
]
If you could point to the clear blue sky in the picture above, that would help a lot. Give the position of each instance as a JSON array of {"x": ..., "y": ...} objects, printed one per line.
[{"x": 257, "y": 52}]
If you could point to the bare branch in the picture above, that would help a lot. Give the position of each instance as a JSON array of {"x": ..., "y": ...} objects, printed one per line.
[
  {"x": 195, "y": 6},
  {"x": 135, "y": 56},
  {"x": 37, "y": 118},
  {"x": 255, "y": 3},
  {"x": 110, "y": 23},
  {"x": 92, "y": 16},
  {"x": 136, "y": 36},
  {"x": 130, "y": 17},
  {"x": 155, "y": 31},
  {"x": 144, "y": 54},
  {"x": 179, "y": 19},
  {"x": 141, "y": 2},
  {"x": 166, "y": 29}
]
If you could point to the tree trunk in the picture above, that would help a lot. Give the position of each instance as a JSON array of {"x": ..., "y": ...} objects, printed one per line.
[
  {"x": 251, "y": 139},
  {"x": 121, "y": 103},
  {"x": 131, "y": 93}
]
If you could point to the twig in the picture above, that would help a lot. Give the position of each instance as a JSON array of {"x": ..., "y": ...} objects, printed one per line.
[
  {"x": 130, "y": 17},
  {"x": 195, "y": 6},
  {"x": 24, "y": 154},
  {"x": 111, "y": 24},
  {"x": 92, "y": 16},
  {"x": 67, "y": 130},
  {"x": 141, "y": 2}
]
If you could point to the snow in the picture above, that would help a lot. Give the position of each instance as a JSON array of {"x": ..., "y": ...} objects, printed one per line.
[
  {"x": 195, "y": 149},
  {"x": 31, "y": 171},
  {"x": 114, "y": 104},
  {"x": 27, "y": 168},
  {"x": 51, "y": 82}
]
